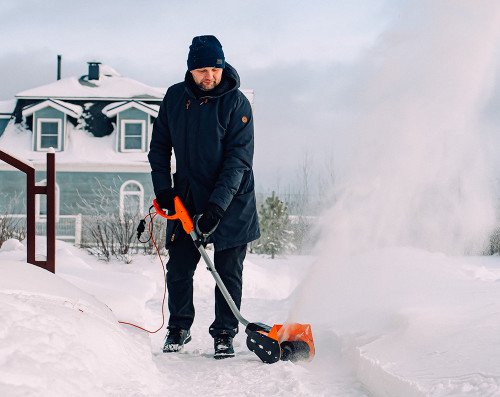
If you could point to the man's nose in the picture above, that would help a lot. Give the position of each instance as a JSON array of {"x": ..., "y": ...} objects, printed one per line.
[{"x": 210, "y": 75}]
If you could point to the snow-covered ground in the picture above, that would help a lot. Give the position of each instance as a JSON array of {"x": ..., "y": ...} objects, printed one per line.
[{"x": 392, "y": 322}]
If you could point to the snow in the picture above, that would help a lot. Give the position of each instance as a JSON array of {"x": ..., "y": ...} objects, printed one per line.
[
  {"x": 108, "y": 86},
  {"x": 65, "y": 107},
  {"x": 393, "y": 322},
  {"x": 7, "y": 107},
  {"x": 114, "y": 108},
  {"x": 82, "y": 150},
  {"x": 396, "y": 307},
  {"x": 107, "y": 70},
  {"x": 59, "y": 340}
]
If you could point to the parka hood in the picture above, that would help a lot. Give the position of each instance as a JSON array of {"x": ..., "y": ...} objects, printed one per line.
[{"x": 230, "y": 82}]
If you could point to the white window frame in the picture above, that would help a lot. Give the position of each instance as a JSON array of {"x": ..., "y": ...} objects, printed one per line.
[
  {"x": 143, "y": 135},
  {"x": 124, "y": 193},
  {"x": 39, "y": 122},
  {"x": 39, "y": 216}
]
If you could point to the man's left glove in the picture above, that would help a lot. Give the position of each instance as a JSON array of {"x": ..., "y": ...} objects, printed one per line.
[
  {"x": 207, "y": 222},
  {"x": 165, "y": 199}
]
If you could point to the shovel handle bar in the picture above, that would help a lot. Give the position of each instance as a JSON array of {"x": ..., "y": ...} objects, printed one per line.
[{"x": 180, "y": 213}]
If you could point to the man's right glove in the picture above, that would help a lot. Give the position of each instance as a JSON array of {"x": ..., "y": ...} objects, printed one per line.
[
  {"x": 207, "y": 222},
  {"x": 165, "y": 199}
]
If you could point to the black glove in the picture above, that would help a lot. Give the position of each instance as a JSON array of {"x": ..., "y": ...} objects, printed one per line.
[
  {"x": 207, "y": 222},
  {"x": 165, "y": 199}
]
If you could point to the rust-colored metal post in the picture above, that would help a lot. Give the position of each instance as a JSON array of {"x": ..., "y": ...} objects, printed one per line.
[
  {"x": 51, "y": 212},
  {"x": 30, "y": 216},
  {"x": 31, "y": 191}
]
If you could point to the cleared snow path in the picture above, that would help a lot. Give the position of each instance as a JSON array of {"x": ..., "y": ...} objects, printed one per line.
[{"x": 267, "y": 284}]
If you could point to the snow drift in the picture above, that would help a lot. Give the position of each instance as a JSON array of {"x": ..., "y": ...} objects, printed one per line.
[{"x": 58, "y": 340}]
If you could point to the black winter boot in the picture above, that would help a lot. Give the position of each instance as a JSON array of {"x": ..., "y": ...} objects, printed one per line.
[
  {"x": 223, "y": 345},
  {"x": 176, "y": 339}
]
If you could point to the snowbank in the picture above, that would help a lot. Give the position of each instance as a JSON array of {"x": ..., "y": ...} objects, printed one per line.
[{"x": 58, "y": 340}]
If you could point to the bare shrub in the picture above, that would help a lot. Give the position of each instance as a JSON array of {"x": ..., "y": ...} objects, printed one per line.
[
  {"x": 108, "y": 233},
  {"x": 12, "y": 226}
]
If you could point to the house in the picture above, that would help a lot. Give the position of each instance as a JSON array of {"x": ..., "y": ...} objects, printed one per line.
[
  {"x": 100, "y": 126},
  {"x": 6, "y": 110}
]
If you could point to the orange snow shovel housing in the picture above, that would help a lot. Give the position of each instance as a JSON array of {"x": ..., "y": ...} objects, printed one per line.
[{"x": 292, "y": 342}]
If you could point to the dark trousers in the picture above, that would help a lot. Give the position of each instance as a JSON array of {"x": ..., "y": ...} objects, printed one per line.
[{"x": 181, "y": 265}]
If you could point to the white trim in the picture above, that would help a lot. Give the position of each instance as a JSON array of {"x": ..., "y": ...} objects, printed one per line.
[
  {"x": 38, "y": 216},
  {"x": 140, "y": 167},
  {"x": 64, "y": 107},
  {"x": 150, "y": 131},
  {"x": 122, "y": 135},
  {"x": 89, "y": 98},
  {"x": 111, "y": 106},
  {"x": 6, "y": 116},
  {"x": 113, "y": 109},
  {"x": 124, "y": 193},
  {"x": 60, "y": 131}
]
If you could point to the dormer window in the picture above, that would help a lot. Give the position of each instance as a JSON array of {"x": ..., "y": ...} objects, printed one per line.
[
  {"x": 133, "y": 137},
  {"x": 50, "y": 119},
  {"x": 134, "y": 121},
  {"x": 49, "y": 133}
]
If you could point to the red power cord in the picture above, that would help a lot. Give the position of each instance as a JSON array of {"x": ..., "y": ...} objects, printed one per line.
[{"x": 152, "y": 217}]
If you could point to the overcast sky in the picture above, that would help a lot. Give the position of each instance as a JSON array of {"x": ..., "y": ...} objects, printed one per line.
[{"x": 298, "y": 56}]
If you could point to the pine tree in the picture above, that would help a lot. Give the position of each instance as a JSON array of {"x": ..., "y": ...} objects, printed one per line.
[{"x": 276, "y": 234}]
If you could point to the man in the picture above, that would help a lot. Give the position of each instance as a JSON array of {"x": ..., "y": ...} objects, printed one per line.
[{"x": 208, "y": 123}]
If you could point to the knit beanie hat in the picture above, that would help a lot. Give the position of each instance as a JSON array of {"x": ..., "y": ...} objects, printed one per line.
[{"x": 205, "y": 51}]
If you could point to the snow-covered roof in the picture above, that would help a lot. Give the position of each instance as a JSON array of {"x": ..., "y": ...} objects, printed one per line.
[
  {"x": 249, "y": 94},
  {"x": 111, "y": 85},
  {"x": 7, "y": 107},
  {"x": 83, "y": 151},
  {"x": 65, "y": 107},
  {"x": 114, "y": 108}
]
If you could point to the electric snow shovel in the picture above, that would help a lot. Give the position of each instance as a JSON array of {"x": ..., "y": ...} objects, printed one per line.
[{"x": 292, "y": 342}]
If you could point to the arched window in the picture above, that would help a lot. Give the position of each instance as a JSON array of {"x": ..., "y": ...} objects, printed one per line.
[
  {"x": 131, "y": 199},
  {"x": 41, "y": 202}
]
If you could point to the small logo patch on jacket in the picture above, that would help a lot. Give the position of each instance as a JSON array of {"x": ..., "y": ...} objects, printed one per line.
[{"x": 244, "y": 119}]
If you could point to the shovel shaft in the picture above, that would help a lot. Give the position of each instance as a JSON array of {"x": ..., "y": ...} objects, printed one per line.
[{"x": 218, "y": 280}]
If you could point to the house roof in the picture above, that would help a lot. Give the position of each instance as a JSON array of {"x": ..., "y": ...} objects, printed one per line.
[
  {"x": 83, "y": 152},
  {"x": 249, "y": 94},
  {"x": 65, "y": 107},
  {"x": 7, "y": 107},
  {"x": 114, "y": 108},
  {"x": 110, "y": 85}
]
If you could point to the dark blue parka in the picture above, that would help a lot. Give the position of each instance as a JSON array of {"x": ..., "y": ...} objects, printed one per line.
[{"x": 213, "y": 141}]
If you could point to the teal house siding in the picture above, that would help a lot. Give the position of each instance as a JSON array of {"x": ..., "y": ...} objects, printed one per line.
[
  {"x": 12, "y": 192},
  {"x": 3, "y": 124},
  {"x": 49, "y": 113},
  {"x": 75, "y": 188}
]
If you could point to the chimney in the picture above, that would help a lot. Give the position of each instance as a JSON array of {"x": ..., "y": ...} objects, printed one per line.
[
  {"x": 59, "y": 57},
  {"x": 94, "y": 70}
]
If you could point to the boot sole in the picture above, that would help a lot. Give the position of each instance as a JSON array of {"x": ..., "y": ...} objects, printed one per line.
[{"x": 221, "y": 356}]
